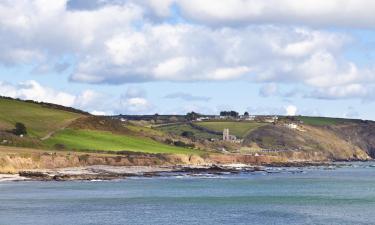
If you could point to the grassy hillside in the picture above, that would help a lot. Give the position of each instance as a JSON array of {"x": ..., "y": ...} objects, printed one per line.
[
  {"x": 240, "y": 129},
  {"x": 39, "y": 120},
  {"x": 321, "y": 121},
  {"x": 103, "y": 140},
  {"x": 180, "y": 128}
]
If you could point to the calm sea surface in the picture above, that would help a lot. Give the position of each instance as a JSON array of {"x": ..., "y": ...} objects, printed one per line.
[{"x": 294, "y": 196}]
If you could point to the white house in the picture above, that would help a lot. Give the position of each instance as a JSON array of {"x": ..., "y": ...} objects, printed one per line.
[{"x": 292, "y": 126}]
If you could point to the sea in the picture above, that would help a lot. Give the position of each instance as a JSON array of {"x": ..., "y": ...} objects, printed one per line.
[{"x": 340, "y": 194}]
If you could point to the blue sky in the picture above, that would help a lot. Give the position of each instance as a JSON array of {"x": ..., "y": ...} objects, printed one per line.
[{"x": 174, "y": 56}]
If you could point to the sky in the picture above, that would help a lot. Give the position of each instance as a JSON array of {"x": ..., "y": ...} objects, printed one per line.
[{"x": 284, "y": 57}]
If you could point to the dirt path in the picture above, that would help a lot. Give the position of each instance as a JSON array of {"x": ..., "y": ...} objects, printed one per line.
[{"x": 48, "y": 135}]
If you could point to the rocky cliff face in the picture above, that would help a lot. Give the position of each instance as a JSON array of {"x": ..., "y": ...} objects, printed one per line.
[
  {"x": 360, "y": 134},
  {"x": 13, "y": 160},
  {"x": 309, "y": 142}
]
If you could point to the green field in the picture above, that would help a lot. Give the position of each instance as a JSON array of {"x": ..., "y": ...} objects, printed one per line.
[
  {"x": 320, "y": 121},
  {"x": 39, "y": 120},
  {"x": 239, "y": 129},
  {"x": 178, "y": 129},
  {"x": 106, "y": 141}
]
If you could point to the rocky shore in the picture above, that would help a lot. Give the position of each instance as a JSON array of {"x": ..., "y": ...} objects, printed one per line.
[
  {"x": 102, "y": 172},
  {"x": 112, "y": 172}
]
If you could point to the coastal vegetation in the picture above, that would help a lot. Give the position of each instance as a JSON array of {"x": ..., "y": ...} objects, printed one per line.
[
  {"x": 49, "y": 127},
  {"x": 72, "y": 139},
  {"x": 38, "y": 119}
]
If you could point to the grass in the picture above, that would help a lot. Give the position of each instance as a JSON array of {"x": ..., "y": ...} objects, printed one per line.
[
  {"x": 178, "y": 129},
  {"x": 320, "y": 121},
  {"x": 237, "y": 128},
  {"x": 107, "y": 141},
  {"x": 39, "y": 120}
]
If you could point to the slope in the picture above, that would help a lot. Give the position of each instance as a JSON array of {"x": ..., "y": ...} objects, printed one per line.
[{"x": 39, "y": 119}]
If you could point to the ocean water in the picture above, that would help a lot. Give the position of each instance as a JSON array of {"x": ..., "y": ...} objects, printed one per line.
[{"x": 293, "y": 196}]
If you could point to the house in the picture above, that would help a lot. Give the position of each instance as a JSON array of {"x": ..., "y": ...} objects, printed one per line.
[
  {"x": 250, "y": 118},
  {"x": 202, "y": 119},
  {"x": 269, "y": 119},
  {"x": 247, "y": 117},
  {"x": 292, "y": 126}
]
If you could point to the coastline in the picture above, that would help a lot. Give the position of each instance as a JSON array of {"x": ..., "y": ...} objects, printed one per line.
[{"x": 104, "y": 172}]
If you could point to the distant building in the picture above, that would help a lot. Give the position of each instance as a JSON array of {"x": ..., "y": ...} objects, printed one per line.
[
  {"x": 250, "y": 118},
  {"x": 292, "y": 126},
  {"x": 202, "y": 119},
  {"x": 271, "y": 119},
  {"x": 227, "y": 136}
]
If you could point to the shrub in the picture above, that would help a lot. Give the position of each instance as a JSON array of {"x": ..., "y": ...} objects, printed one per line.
[
  {"x": 183, "y": 144},
  {"x": 187, "y": 134},
  {"x": 20, "y": 129},
  {"x": 60, "y": 146}
]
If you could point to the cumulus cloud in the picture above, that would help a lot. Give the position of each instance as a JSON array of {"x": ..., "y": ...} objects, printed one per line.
[
  {"x": 87, "y": 100},
  {"x": 35, "y": 91},
  {"x": 120, "y": 41},
  {"x": 345, "y": 13},
  {"x": 187, "y": 97},
  {"x": 102, "y": 113},
  {"x": 360, "y": 91},
  {"x": 291, "y": 110},
  {"x": 134, "y": 100}
]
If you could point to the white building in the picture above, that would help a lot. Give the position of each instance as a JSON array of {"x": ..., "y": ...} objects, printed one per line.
[{"x": 292, "y": 126}]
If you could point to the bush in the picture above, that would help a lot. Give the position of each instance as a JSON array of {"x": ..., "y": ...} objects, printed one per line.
[
  {"x": 187, "y": 134},
  {"x": 20, "y": 129},
  {"x": 183, "y": 144},
  {"x": 60, "y": 146}
]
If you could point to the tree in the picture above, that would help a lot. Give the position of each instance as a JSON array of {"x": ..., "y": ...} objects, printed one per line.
[
  {"x": 246, "y": 114},
  {"x": 20, "y": 129},
  {"x": 192, "y": 116},
  {"x": 232, "y": 113}
]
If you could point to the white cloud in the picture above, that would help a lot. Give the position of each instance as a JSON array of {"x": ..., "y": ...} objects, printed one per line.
[
  {"x": 118, "y": 42},
  {"x": 290, "y": 110},
  {"x": 343, "y": 92},
  {"x": 192, "y": 53},
  {"x": 136, "y": 105},
  {"x": 101, "y": 113},
  {"x": 90, "y": 99},
  {"x": 134, "y": 100},
  {"x": 171, "y": 67},
  {"x": 346, "y": 13},
  {"x": 32, "y": 90}
]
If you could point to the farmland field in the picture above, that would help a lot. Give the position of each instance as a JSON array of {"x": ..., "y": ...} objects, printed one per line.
[
  {"x": 237, "y": 128},
  {"x": 320, "y": 121},
  {"x": 107, "y": 141},
  {"x": 179, "y": 128}
]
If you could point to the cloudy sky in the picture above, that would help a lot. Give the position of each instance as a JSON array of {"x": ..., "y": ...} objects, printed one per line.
[{"x": 310, "y": 57}]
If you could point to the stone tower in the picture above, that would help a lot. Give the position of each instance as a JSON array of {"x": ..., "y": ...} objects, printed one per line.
[{"x": 226, "y": 135}]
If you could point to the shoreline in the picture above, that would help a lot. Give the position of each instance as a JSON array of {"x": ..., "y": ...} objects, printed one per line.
[{"x": 104, "y": 172}]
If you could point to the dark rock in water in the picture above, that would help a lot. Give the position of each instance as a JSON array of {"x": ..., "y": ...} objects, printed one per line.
[
  {"x": 259, "y": 168},
  {"x": 35, "y": 175},
  {"x": 214, "y": 169}
]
